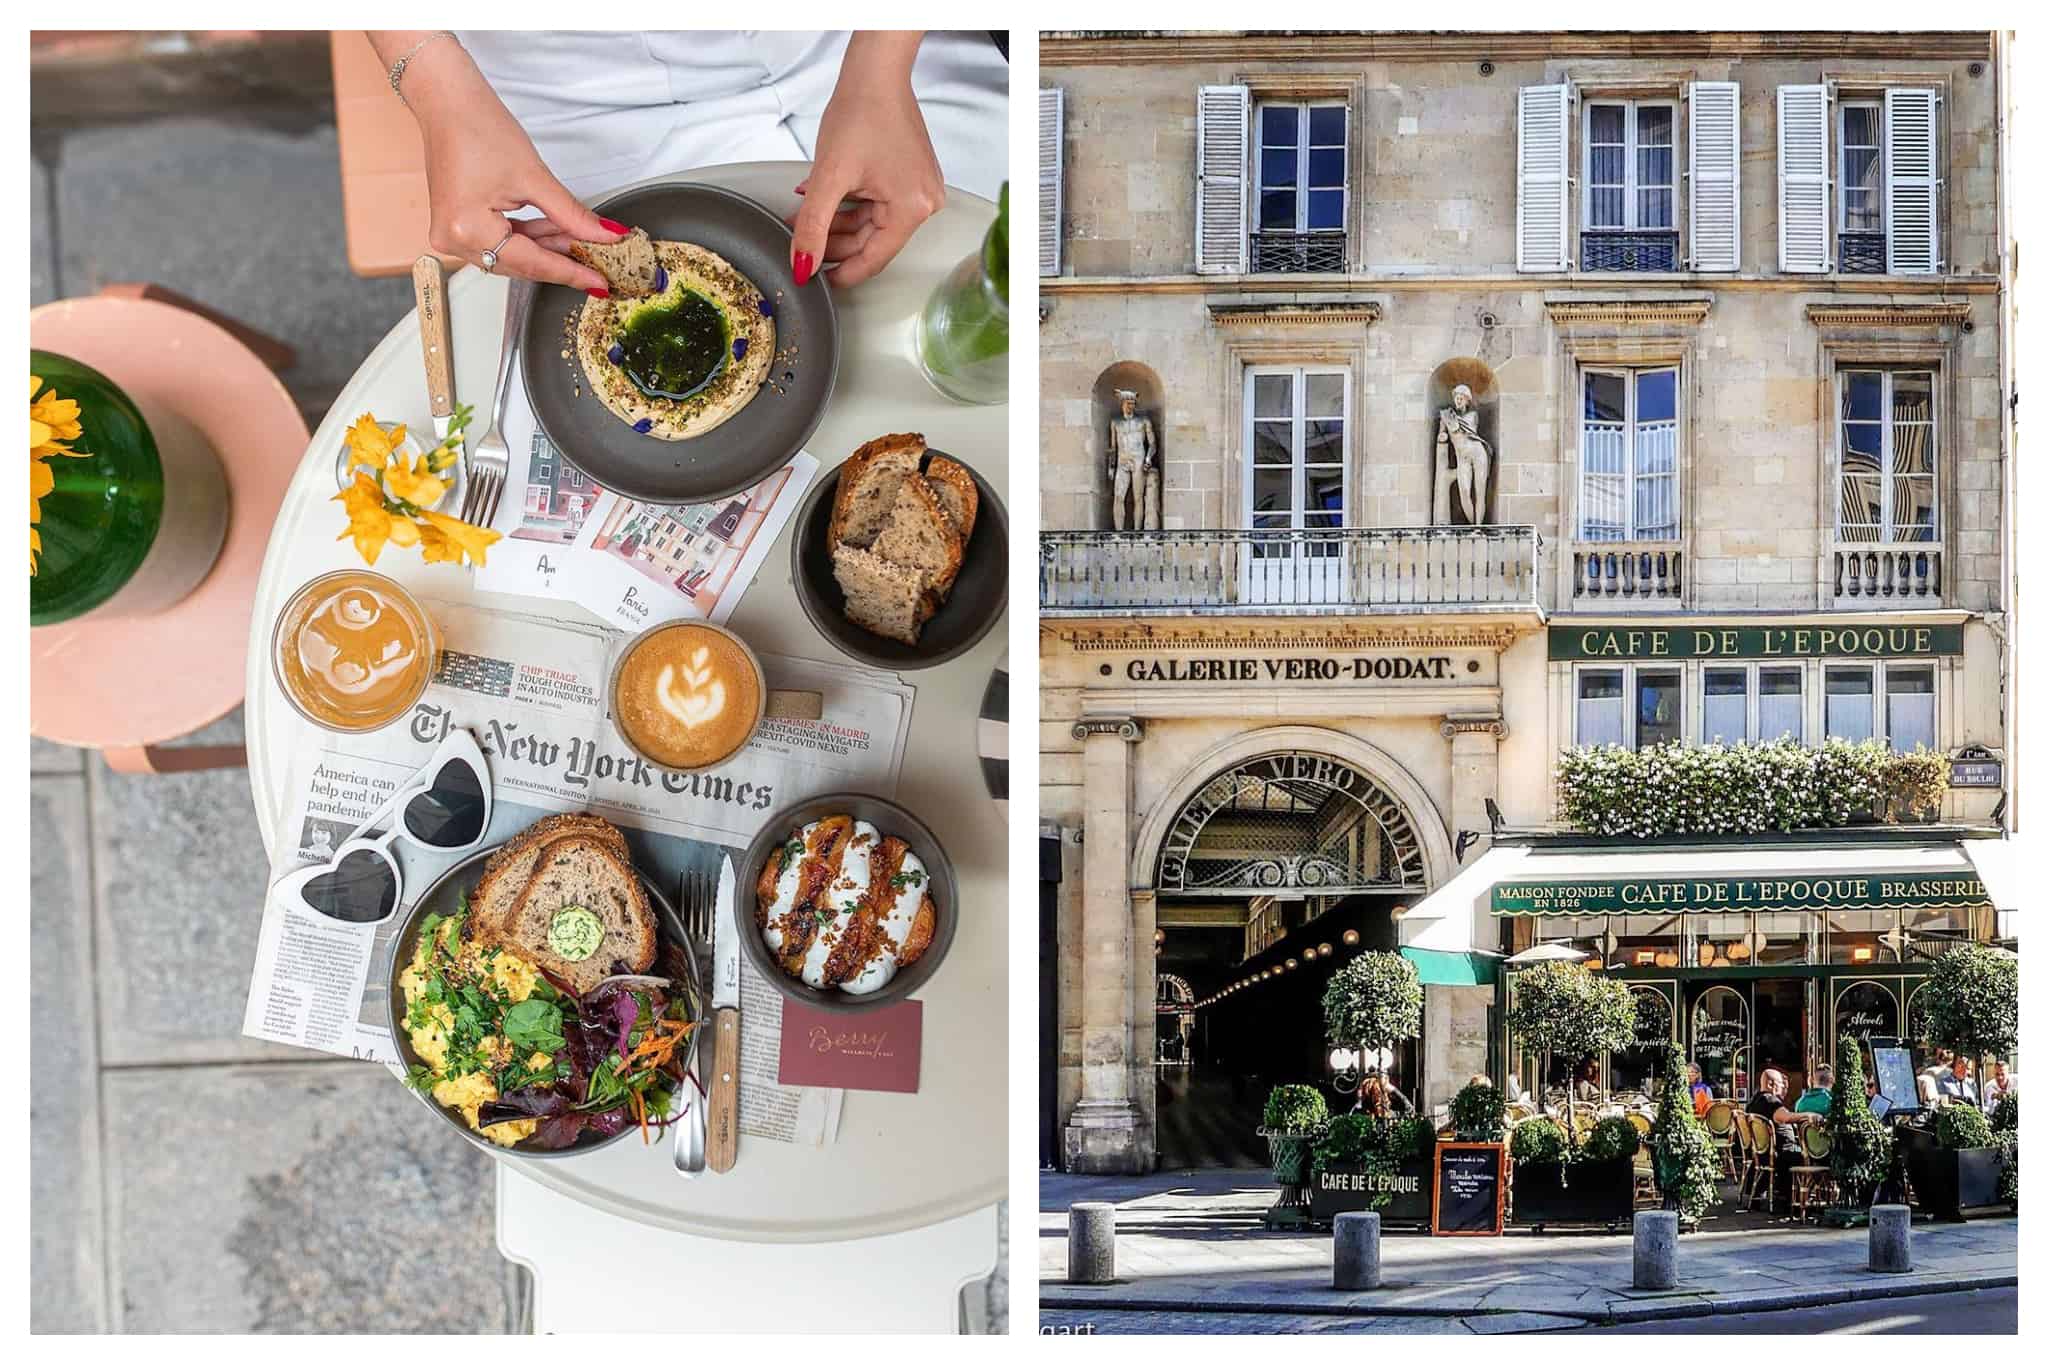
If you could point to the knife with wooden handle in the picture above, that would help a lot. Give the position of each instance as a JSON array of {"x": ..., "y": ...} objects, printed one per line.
[
  {"x": 430, "y": 289},
  {"x": 722, "y": 1142}
]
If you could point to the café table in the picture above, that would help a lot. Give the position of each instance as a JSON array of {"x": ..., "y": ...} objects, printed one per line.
[{"x": 883, "y": 1226}]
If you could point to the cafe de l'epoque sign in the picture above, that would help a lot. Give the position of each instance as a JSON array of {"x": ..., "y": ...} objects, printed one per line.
[
  {"x": 1720, "y": 895},
  {"x": 1755, "y": 642}
]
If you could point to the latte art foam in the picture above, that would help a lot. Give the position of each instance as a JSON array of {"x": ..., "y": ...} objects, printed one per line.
[{"x": 687, "y": 695}]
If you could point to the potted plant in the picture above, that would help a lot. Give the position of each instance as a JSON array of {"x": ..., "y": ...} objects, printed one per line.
[
  {"x": 1955, "y": 1163},
  {"x": 1293, "y": 1120},
  {"x": 2005, "y": 1130},
  {"x": 1479, "y": 1113},
  {"x": 1971, "y": 1002},
  {"x": 1373, "y": 1002},
  {"x": 1560, "y": 1007},
  {"x": 1556, "y": 1182},
  {"x": 1682, "y": 1155},
  {"x": 1860, "y": 1150},
  {"x": 1381, "y": 1164}
]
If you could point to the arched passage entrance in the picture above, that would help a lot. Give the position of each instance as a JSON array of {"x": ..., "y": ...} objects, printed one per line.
[{"x": 1279, "y": 857}]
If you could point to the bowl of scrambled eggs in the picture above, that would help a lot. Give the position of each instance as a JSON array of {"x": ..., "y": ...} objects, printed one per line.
[{"x": 517, "y": 1064}]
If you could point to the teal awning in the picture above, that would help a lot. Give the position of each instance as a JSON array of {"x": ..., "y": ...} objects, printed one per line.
[{"x": 1452, "y": 969}]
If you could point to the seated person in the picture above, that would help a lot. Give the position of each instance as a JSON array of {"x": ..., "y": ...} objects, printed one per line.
[
  {"x": 2001, "y": 1083},
  {"x": 1820, "y": 1094},
  {"x": 1768, "y": 1103},
  {"x": 1961, "y": 1085},
  {"x": 1702, "y": 1093},
  {"x": 1929, "y": 1087}
]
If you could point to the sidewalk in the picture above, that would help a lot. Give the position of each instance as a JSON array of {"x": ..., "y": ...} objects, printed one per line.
[{"x": 1192, "y": 1243}]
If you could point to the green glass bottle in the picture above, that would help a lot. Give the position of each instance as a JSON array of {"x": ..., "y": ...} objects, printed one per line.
[
  {"x": 107, "y": 546},
  {"x": 963, "y": 335}
]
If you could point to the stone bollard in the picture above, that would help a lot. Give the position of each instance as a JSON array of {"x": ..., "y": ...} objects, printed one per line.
[
  {"x": 1891, "y": 1238},
  {"x": 1656, "y": 1249},
  {"x": 1356, "y": 1263},
  {"x": 1091, "y": 1243}
]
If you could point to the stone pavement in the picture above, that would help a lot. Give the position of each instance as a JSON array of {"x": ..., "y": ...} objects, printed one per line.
[
  {"x": 184, "y": 1178},
  {"x": 1192, "y": 1243}
]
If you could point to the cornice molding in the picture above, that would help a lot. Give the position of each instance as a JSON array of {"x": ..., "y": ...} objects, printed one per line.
[
  {"x": 1299, "y": 285},
  {"x": 1883, "y": 314},
  {"x": 1100, "y": 47},
  {"x": 1293, "y": 314},
  {"x": 1627, "y": 312},
  {"x": 1123, "y": 638}
]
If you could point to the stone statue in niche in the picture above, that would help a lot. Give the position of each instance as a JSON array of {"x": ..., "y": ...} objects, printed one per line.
[
  {"x": 1133, "y": 467},
  {"x": 1463, "y": 462}
]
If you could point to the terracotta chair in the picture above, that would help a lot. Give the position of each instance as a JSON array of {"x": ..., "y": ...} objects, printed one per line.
[{"x": 383, "y": 164}]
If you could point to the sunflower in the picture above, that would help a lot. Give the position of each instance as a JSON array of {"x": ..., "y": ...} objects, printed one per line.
[{"x": 52, "y": 421}]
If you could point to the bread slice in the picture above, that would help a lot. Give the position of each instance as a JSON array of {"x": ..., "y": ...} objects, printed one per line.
[
  {"x": 869, "y": 481},
  {"x": 628, "y": 264},
  {"x": 957, "y": 493},
  {"x": 507, "y": 871},
  {"x": 578, "y": 869},
  {"x": 882, "y": 597},
  {"x": 921, "y": 535}
]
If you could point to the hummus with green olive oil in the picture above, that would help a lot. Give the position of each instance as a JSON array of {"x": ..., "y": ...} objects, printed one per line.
[{"x": 678, "y": 362}]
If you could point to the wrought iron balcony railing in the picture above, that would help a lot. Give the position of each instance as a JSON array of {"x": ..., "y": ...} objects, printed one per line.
[
  {"x": 1189, "y": 573},
  {"x": 1297, "y": 253}
]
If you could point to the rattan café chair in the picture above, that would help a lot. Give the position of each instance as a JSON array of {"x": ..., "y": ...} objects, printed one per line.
[
  {"x": 1763, "y": 1153},
  {"x": 1721, "y": 1127},
  {"x": 1813, "y": 1179}
]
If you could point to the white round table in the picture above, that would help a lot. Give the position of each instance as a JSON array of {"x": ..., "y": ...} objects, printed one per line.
[{"x": 900, "y": 1162}]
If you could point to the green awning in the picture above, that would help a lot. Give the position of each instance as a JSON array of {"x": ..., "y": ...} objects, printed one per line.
[{"x": 1452, "y": 969}]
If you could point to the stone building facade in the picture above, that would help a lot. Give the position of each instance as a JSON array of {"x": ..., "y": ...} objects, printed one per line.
[{"x": 1727, "y": 316}]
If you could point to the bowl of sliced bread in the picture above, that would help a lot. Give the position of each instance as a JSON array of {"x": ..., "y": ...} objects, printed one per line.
[
  {"x": 510, "y": 987},
  {"x": 901, "y": 555},
  {"x": 846, "y": 902}
]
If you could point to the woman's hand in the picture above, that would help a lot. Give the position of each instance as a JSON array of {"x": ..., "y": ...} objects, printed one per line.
[
  {"x": 481, "y": 165},
  {"x": 872, "y": 149}
]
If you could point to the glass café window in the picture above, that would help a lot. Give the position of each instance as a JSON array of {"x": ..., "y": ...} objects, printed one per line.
[
  {"x": 1861, "y": 937},
  {"x": 1725, "y": 710},
  {"x": 1779, "y": 940},
  {"x": 1636, "y": 707},
  {"x": 1720, "y": 940},
  {"x": 1887, "y": 451},
  {"x": 1644, "y": 941},
  {"x": 1628, "y": 481},
  {"x": 1587, "y": 933},
  {"x": 1908, "y": 708}
]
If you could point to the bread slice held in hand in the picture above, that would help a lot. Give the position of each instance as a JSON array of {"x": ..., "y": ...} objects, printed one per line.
[
  {"x": 579, "y": 871},
  {"x": 869, "y": 482},
  {"x": 885, "y": 598},
  {"x": 507, "y": 871},
  {"x": 921, "y": 535},
  {"x": 628, "y": 265}
]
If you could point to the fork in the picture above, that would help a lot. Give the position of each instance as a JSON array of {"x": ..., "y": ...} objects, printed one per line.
[
  {"x": 698, "y": 897},
  {"x": 490, "y": 458}
]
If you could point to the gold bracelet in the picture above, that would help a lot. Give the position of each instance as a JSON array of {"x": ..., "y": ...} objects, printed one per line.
[{"x": 398, "y": 67}]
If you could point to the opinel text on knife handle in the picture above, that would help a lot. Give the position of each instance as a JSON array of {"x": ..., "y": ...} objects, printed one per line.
[
  {"x": 430, "y": 289},
  {"x": 722, "y": 1128}
]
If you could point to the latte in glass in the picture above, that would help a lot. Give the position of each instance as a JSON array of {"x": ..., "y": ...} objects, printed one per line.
[
  {"x": 687, "y": 695},
  {"x": 353, "y": 651}
]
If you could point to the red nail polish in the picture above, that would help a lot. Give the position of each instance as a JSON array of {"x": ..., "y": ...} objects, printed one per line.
[
  {"x": 805, "y": 267},
  {"x": 799, "y": 189},
  {"x": 599, "y": 293},
  {"x": 610, "y": 226}
]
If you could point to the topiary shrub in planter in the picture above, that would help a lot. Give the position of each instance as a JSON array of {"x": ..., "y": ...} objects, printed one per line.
[
  {"x": 1294, "y": 1118},
  {"x": 1682, "y": 1153},
  {"x": 1560, "y": 1007},
  {"x": 1362, "y": 1162},
  {"x": 1972, "y": 1002},
  {"x": 2005, "y": 1131},
  {"x": 1374, "y": 1001},
  {"x": 1956, "y": 1163},
  {"x": 1551, "y": 1186},
  {"x": 1479, "y": 1113},
  {"x": 1744, "y": 788},
  {"x": 1612, "y": 1139},
  {"x": 1961, "y": 1127},
  {"x": 1862, "y": 1151}
]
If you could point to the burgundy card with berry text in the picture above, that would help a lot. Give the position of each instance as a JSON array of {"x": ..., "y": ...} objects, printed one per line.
[{"x": 877, "y": 1050}]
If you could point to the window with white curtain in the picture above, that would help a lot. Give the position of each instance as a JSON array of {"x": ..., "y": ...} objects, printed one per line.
[
  {"x": 1628, "y": 467},
  {"x": 1632, "y": 705},
  {"x": 1780, "y": 704},
  {"x": 1851, "y": 702},
  {"x": 1908, "y": 708},
  {"x": 1887, "y": 459},
  {"x": 1631, "y": 165},
  {"x": 1727, "y": 715},
  {"x": 1724, "y": 713}
]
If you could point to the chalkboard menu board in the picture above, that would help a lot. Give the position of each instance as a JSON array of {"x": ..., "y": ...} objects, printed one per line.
[
  {"x": 1470, "y": 1189},
  {"x": 1895, "y": 1077}
]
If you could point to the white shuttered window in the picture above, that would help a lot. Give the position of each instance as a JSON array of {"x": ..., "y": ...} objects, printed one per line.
[
  {"x": 1222, "y": 150},
  {"x": 1052, "y": 109},
  {"x": 1542, "y": 178},
  {"x": 1911, "y": 185},
  {"x": 1714, "y": 146},
  {"x": 1803, "y": 235}
]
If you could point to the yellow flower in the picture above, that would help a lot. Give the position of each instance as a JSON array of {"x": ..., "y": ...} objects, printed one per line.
[
  {"x": 370, "y": 445},
  {"x": 414, "y": 483},
  {"x": 369, "y": 520},
  {"x": 51, "y": 422},
  {"x": 445, "y": 538}
]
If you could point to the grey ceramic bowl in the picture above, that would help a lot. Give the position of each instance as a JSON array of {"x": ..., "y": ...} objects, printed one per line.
[
  {"x": 980, "y": 593},
  {"x": 443, "y": 897},
  {"x": 889, "y": 818},
  {"x": 755, "y": 441}
]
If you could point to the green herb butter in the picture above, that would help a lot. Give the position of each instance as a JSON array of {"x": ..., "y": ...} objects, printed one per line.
[{"x": 574, "y": 933}]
